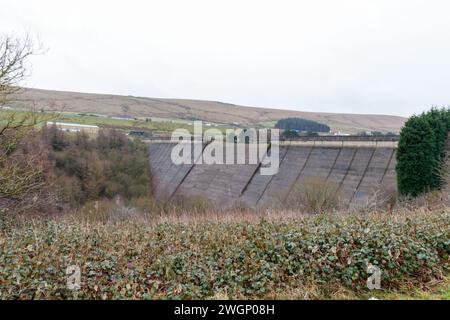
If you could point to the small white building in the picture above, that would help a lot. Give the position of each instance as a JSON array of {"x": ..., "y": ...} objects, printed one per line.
[{"x": 74, "y": 127}]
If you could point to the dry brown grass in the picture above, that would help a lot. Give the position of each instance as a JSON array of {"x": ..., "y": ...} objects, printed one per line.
[
  {"x": 196, "y": 211},
  {"x": 314, "y": 196},
  {"x": 446, "y": 174}
]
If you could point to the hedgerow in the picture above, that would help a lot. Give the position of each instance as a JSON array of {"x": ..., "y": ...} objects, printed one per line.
[
  {"x": 199, "y": 260},
  {"x": 421, "y": 152}
]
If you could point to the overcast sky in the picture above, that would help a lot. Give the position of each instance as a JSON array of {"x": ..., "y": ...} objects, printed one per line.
[{"x": 360, "y": 56}]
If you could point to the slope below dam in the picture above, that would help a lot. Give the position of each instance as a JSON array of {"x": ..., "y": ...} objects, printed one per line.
[{"x": 360, "y": 168}]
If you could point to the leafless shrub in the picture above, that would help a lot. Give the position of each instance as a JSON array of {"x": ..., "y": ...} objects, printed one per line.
[
  {"x": 23, "y": 158},
  {"x": 25, "y": 174},
  {"x": 383, "y": 198},
  {"x": 14, "y": 55},
  {"x": 435, "y": 200},
  {"x": 446, "y": 175},
  {"x": 97, "y": 211},
  {"x": 314, "y": 196},
  {"x": 192, "y": 204},
  {"x": 240, "y": 206}
]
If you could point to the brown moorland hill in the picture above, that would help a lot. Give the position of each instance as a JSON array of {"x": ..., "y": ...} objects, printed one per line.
[{"x": 213, "y": 111}]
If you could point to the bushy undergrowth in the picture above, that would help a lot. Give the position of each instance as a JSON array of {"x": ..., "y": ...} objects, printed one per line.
[
  {"x": 103, "y": 166},
  {"x": 42, "y": 171},
  {"x": 227, "y": 259},
  {"x": 314, "y": 196}
]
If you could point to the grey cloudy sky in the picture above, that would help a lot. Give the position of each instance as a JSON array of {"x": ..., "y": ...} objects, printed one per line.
[{"x": 360, "y": 56}]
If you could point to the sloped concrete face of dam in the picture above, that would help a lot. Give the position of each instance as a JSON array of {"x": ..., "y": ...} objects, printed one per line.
[{"x": 358, "y": 169}]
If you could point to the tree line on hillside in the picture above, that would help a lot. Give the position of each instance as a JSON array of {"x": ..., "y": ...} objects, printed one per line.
[{"x": 299, "y": 124}]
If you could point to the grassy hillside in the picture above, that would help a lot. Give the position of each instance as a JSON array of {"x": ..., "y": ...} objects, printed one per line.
[{"x": 211, "y": 111}]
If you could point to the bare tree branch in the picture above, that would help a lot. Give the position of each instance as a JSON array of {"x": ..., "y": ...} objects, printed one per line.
[{"x": 14, "y": 54}]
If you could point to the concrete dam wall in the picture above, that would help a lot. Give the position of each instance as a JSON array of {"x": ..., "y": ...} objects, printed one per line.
[{"x": 359, "y": 169}]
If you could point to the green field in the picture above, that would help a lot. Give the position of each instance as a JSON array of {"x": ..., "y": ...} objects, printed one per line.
[
  {"x": 157, "y": 125},
  {"x": 163, "y": 126}
]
